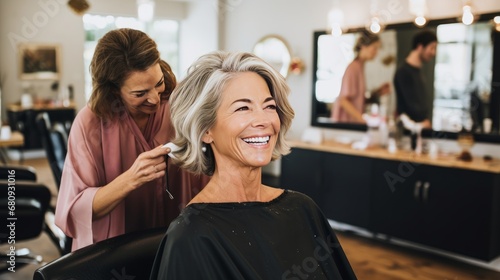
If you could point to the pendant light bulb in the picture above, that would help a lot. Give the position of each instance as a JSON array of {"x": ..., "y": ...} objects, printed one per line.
[
  {"x": 467, "y": 16},
  {"x": 374, "y": 26},
  {"x": 335, "y": 21},
  {"x": 496, "y": 22},
  {"x": 418, "y": 8},
  {"x": 420, "y": 21}
]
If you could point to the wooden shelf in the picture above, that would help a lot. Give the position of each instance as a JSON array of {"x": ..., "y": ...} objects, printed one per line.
[
  {"x": 39, "y": 107},
  {"x": 478, "y": 163},
  {"x": 16, "y": 140}
]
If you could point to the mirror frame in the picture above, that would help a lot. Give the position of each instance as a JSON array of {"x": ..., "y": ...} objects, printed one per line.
[
  {"x": 428, "y": 133},
  {"x": 285, "y": 43}
]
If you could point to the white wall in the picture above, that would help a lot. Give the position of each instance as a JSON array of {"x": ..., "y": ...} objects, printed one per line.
[
  {"x": 199, "y": 32},
  {"x": 163, "y": 9},
  {"x": 41, "y": 22}
]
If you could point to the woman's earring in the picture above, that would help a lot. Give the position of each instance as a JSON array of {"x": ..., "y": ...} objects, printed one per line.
[{"x": 204, "y": 148}]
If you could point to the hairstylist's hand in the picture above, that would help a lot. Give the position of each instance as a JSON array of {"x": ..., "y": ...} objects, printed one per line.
[
  {"x": 149, "y": 166},
  {"x": 426, "y": 124}
]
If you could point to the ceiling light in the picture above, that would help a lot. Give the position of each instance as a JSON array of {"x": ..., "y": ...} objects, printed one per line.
[
  {"x": 335, "y": 21},
  {"x": 420, "y": 21},
  {"x": 496, "y": 23},
  {"x": 418, "y": 8},
  {"x": 374, "y": 25},
  {"x": 468, "y": 16}
]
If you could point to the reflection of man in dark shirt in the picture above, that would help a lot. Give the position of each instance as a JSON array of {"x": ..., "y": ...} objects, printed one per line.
[
  {"x": 411, "y": 94},
  {"x": 412, "y": 97}
]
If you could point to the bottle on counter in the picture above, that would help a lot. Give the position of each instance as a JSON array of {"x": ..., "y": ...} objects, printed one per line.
[
  {"x": 465, "y": 141},
  {"x": 433, "y": 150},
  {"x": 27, "y": 96},
  {"x": 392, "y": 145},
  {"x": 383, "y": 130},
  {"x": 418, "y": 140},
  {"x": 373, "y": 124},
  {"x": 64, "y": 96}
]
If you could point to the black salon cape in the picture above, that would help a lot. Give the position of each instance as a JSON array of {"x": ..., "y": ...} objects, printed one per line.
[{"x": 286, "y": 238}]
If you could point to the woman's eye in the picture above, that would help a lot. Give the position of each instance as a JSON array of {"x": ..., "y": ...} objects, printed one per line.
[
  {"x": 141, "y": 94},
  {"x": 272, "y": 107},
  {"x": 160, "y": 83},
  {"x": 244, "y": 108}
]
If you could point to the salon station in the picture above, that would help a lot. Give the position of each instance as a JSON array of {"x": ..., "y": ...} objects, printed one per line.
[{"x": 426, "y": 197}]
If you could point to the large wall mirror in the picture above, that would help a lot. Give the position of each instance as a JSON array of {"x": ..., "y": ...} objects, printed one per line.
[{"x": 463, "y": 78}]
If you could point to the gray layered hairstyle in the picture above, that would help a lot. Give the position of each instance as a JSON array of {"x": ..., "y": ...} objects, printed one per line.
[{"x": 195, "y": 101}]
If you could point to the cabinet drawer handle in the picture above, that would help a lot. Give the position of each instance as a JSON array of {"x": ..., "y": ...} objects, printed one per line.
[
  {"x": 416, "y": 190},
  {"x": 427, "y": 185}
]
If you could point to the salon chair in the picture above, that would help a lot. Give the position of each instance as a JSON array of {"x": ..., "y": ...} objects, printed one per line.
[
  {"x": 23, "y": 222},
  {"x": 27, "y": 173},
  {"x": 128, "y": 256},
  {"x": 54, "y": 141}
]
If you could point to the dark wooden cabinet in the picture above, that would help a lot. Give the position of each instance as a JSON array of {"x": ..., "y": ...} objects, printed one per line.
[
  {"x": 303, "y": 173},
  {"x": 341, "y": 193},
  {"x": 453, "y": 209},
  {"x": 446, "y": 208},
  {"x": 23, "y": 120},
  {"x": 463, "y": 208},
  {"x": 346, "y": 195},
  {"x": 395, "y": 200}
]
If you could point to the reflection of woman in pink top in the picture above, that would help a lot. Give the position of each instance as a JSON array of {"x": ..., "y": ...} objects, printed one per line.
[{"x": 350, "y": 104}]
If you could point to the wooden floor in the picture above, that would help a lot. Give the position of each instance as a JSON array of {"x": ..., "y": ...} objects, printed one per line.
[
  {"x": 371, "y": 259},
  {"x": 378, "y": 260}
]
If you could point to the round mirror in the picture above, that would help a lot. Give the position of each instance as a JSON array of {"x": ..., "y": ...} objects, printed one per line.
[{"x": 275, "y": 51}]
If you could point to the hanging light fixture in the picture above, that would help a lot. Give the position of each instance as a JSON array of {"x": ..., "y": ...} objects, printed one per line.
[
  {"x": 496, "y": 23},
  {"x": 335, "y": 19},
  {"x": 418, "y": 8},
  {"x": 79, "y": 6},
  {"x": 468, "y": 16},
  {"x": 145, "y": 10},
  {"x": 375, "y": 24}
]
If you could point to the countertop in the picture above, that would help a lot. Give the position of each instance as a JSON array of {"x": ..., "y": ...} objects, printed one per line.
[{"x": 445, "y": 160}]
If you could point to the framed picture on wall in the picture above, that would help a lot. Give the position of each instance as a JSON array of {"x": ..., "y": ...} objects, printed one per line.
[{"x": 39, "y": 61}]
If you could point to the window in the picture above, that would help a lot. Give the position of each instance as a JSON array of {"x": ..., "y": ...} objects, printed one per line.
[{"x": 164, "y": 32}]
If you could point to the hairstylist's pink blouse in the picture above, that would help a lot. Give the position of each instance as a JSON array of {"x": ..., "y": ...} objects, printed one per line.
[{"x": 100, "y": 151}]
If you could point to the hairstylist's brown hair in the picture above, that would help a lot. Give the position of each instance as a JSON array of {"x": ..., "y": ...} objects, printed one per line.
[
  {"x": 366, "y": 38},
  {"x": 119, "y": 53}
]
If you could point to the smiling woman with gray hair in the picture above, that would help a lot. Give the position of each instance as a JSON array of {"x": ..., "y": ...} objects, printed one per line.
[{"x": 231, "y": 114}]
